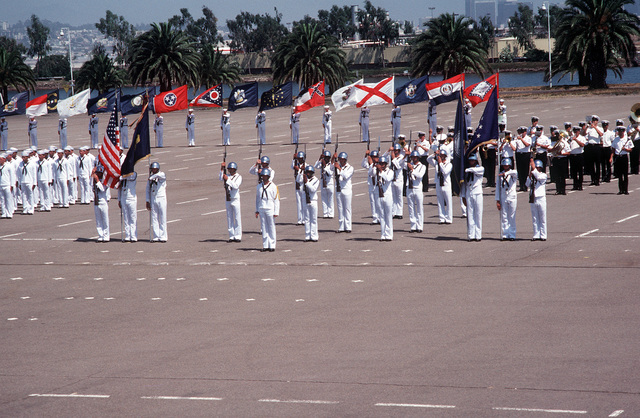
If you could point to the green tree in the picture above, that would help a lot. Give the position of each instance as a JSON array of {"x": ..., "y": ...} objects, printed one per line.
[
  {"x": 166, "y": 54},
  {"x": 486, "y": 30},
  {"x": 203, "y": 31},
  {"x": 541, "y": 21},
  {"x": 100, "y": 73},
  {"x": 309, "y": 55},
  {"x": 256, "y": 33},
  {"x": 118, "y": 29},
  {"x": 38, "y": 38},
  {"x": 593, "y": 36},
  {"x": 11, "y": 44},
  {"x": 408, "y": 27},
  {"x": 215, "y": 68},
  {"x": 337, "y": 21},
  {"x": 450, "y": 46},
  {"x": 375, "y": 24},
  {"x": 53, "y": 66},
  {"x": 522, "y": 26},
  {"x": 14, "y": 73}
]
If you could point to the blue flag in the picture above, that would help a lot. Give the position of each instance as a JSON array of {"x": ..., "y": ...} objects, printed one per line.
[
  {"x": 17, "y": 105},
  {"x": 488, "y": 126},
  {"x": 413, "y": 92},
  {"x": 133, "y": 103},
  {"x": 245, "y": 95},
  {"x": 460, "y": 136},
  {"x": 140, "y": 144},
  {"x": 103, "y": 103},
  {"x": 277, "y": 96}
]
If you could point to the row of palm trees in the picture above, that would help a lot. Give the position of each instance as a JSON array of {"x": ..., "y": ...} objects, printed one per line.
[{"x": 592, "y": 36}]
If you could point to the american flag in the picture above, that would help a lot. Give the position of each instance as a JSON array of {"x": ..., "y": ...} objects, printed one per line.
[{"x": 110, "y": 152}]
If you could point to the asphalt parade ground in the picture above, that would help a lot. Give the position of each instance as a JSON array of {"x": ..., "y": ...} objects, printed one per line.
[{"x": 426, "y": 325}]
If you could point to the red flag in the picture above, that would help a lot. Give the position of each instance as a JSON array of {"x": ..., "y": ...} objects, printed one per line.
[
  {"x": 110, "y": 152},
  {"x": 481, "y": 91},
  {"x": 170, "y": 101},
  {"x": 312, "y": 98},
  {"x": 37, "y": 106},
  {"x": 210, "y": 98}
]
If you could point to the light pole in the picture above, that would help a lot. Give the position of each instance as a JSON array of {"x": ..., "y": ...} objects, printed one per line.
[
  {"x": 546, "y": 6},
  {"x": 70, "y": 58},
  {"x": 432, "y": 9}
]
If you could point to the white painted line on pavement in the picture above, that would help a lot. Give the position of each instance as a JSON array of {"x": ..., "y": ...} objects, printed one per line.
[
  {"x": 193, "y": 159},
  {"x": 187, "y": 398},
  {"x": 614, "y": 236},
  {"x": 616, "y": 413},
  {"x": 192, "y": 201},
  {"x": 360, "y": 194},
  {"x": 627, "y": 218},
  {"x": 211, "y": 213},
  {"x": 299, "y": 401},
  {"x": 175, "y": 220},
  {"x": 181, "y": 155},
  {"x": 416, "y": 405},
  {"x": 587, "y": 233},
  {"x": 68, "y": 395},
  {"x": 551, "y": 411},
  {"x": 12, "y": 235},
  {"x": 178, "y": 169},
  {"x": 74, "y": 223}
]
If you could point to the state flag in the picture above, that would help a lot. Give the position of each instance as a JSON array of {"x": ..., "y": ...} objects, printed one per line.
[
  {"x": 172, "y": 100},
  {"x": 314, "y": 96},
  {"x": 210, "y": 98},
  {"x": 487, "y": 130},
  {"x": 346, "y": 96},
  {"x": 140, "y": 144},
  {"x": 460, "y": 135},
  {"x": 17, "y": 105},
  {"x": 445, "y": 91},
  {"x": 134, "y": 103},
  {"x": 37, "y": 106},
  {"x": 481, "y": 91},
  {"x": 110, "y": 152},
  {"x": 245, "y": 95},
  {"x": 74, "y": 105},
  {"x": 276, "y": 97},
  {"x": 52, "y": 101},
  {"x": 413, "y": 92},
  {"x": 104, "y": 103},
  {"x": 376, "y": 93}
]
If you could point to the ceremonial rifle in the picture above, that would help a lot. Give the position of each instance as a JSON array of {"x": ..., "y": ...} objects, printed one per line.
[
  {"x": 227, "y": 192},
  {"x": 259, "y": 163},
  {"x": 335, "y": 170},
  {"x": 295, "y": 170}
]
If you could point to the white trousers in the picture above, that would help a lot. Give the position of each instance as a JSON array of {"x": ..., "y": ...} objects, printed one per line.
[
  {"x": 445, "y": 212},
  {"x": 326, "y": 193},
  {"x": 85, "y": 189},
  {"x": 234, "y": 221},
  {"x": 63, "y": 193},
  {"x": 374, "y": 201},
  {"x": 386, "y": 217},
  {"x": 396, "y": 190},
  {"x": 343, "y": 200},
  {"x": 45, "y": 195},
  {"x": 226, "y": 135},
  {"x": 102, "y": 221},
  {"x": 159, "y": 219},
  {"x": 300, "y": 199},
  {"x": 508, "y": 217},
  {"x": 539, "y": 217},
  {"x": 311, "y": 221},
  {"x": 130, "y": 218},
  {"x": 474, "y": 216},
  {"x": 27, "y": 198},
  {"x": 415, "y": 200},
  {"x": 268, "y": 225},
  {"x": 6, "y": 201}
]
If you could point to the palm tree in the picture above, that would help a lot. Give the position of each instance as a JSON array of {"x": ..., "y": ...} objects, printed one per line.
[
  {"x": 100, "y": 74},
  {"x": 449, "y": 46},
  {"x": 309, "y": 55},
  {"x": 166, "y": 54},
  {"x": 215, "y": 68},
  {"x": 14, "y": 73},
  {"x": 593, "y": 36}
]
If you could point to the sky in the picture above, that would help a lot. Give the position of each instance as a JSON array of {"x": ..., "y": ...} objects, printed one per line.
[{"x": 78, "y": 12}]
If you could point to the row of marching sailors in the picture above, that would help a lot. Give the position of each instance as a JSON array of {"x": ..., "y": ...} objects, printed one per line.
[
  {"x": 44, "y": 178},
  {"x": 578, "y": 150}
]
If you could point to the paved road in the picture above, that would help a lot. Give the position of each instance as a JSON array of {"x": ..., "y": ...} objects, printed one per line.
[{"x": 427, "y": 324}]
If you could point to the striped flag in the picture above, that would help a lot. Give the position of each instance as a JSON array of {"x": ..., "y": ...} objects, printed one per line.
[{"x": 110, "y": 152}]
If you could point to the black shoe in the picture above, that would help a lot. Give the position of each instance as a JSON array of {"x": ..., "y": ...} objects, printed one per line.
[
  {"x": 338, "y": 232},
  {"x": 412, "y": 231},
  {"x": 264, "y": 249},
  {"x": 272, "y": 249},
  {"x": 314, "y": 240},
  {"x": 348, "y": 231},
  {"x": 620, "y": 193},
  {"x": 419, "y": 231}
]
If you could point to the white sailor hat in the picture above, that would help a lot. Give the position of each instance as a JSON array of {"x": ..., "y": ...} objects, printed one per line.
[
  {"x": 439, "y": 128},
  {"x": 4, "y": 154},
  {"x": 43, "y": 152},
  {"x": 420, "y": 133},
  {"x": 326, "y": 106},
  {"x": 13, "y": 149},
  {"x": 605, "y": 122},
  {"x": 59, "y": 150},
  {"x": 68, "y": 148},
  {"x": 401, "y": 136},
  {"x": 33, "y": 148},
  {"x": 224, "y": 109},
  {"x": 52, "y": 147},
  {"x": 620, "y": 128},
  {"x": 595, "y": 117},
  {"x": 26, "y": 153},
  {"x": 540, "y": 128},
  {"x": 501, "y": 100},
  {"x": 619, "y": 122},
  {"x": 84, "y": 148},
  {"x": 190, "y": 110},
  {"x": 450, "y": 128}
]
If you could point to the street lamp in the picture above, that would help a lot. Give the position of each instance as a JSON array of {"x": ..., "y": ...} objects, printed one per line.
[
  {"x": 70, "y": 59},
  {"x": 432, "y": 9},
  {"x": 546, "y": 6}
]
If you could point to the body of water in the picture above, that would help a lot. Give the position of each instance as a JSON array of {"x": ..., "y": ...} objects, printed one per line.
[{"x": 507, "y": 79}]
